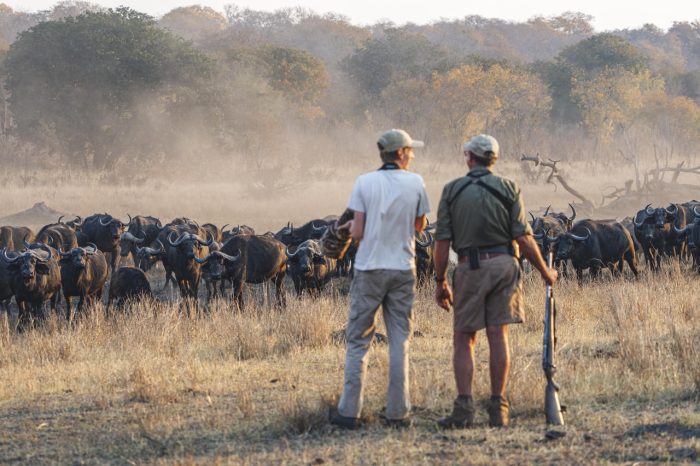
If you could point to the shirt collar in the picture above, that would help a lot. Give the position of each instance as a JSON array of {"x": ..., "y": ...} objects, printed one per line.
[{"x": 477, "y": 170}]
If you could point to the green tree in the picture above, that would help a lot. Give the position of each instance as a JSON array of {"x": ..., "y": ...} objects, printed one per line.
[
  {"x": 397, "y": 54},
  {"x": 84, "y": 86},
  {"x": 300, "y": 76}
]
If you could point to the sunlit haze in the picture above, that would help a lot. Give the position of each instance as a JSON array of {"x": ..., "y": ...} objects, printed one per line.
[{"x": 607, "y": 15}]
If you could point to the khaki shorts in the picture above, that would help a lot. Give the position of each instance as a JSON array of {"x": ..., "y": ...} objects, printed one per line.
[{"x": 489, "y": 295}]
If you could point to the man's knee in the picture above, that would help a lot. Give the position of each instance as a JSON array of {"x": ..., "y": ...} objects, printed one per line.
[{"x": 497, "y": 333}]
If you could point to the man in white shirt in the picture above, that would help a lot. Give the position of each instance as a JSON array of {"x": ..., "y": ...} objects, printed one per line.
[{"x": 389, "y": 206}]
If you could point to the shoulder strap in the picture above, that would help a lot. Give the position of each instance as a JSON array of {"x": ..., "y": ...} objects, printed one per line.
[{"x": 507, "y": 203}]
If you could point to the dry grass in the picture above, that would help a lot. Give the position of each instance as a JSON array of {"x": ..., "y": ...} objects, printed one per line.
[
  {"x": 255, "y": 387},
  {"x": 151, "y": 386}
]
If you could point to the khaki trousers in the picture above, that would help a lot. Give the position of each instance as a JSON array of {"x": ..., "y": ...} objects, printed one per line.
[{"x": 393, "y": 290}]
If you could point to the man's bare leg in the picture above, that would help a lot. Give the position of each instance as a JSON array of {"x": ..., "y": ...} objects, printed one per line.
[
  {"x": 463, "y": 361},
  {"x": 499, "y": 358}
]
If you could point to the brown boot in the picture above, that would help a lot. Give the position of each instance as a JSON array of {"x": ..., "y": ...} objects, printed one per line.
[
  {"x": 498, "y": 412},
  {"x": 462, "y": 414}
]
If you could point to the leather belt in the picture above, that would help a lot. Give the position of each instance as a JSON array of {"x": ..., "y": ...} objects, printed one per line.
[{"x": 482, "y": 256}]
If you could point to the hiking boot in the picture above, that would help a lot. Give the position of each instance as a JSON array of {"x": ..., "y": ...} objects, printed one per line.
[
  {"x": 462, "y": 414},
  {"x": 498, "y": 412},
  {"x": 344, "y": 422}
]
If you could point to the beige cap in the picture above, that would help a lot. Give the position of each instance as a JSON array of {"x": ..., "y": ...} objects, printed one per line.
[
  {"x": 395, "y": 139},
  {"x": 482, "y": 146}
]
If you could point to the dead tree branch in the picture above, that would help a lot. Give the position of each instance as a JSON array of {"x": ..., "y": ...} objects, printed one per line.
[{"x": 555, "y": 175}]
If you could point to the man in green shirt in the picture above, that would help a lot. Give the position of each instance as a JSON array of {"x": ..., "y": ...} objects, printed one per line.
[{"x": 482, "y": 216}]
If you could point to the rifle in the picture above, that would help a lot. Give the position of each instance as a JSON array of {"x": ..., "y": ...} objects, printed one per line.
[{"x": 552, "y": 409}]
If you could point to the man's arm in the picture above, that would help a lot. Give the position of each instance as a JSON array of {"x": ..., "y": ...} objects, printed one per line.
[
  {"x": 531, "y": 251},
  {"x": 421, "y": 223},
  {"x": 356, "y": 226},
  {"x": 443, "y": 293}
]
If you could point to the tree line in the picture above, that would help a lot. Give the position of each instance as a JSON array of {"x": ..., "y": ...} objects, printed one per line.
[{"x": 100, "y": 88}]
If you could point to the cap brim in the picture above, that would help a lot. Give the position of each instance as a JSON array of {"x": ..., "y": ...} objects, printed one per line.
[{"x": 417, "y": 144}]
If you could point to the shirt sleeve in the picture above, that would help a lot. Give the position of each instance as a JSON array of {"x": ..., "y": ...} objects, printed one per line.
[
  {"x": 423, "y": 204},
  {"x": 443, "y": 230},
  {"x": 356, "y": 201},
  {"x": 518, "y": 222}
]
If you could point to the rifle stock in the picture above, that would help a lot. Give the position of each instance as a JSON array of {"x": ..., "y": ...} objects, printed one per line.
[{"x": 552, "y": 408}]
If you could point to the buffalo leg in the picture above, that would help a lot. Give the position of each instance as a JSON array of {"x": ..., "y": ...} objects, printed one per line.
[
  {"x": 69, "y": 307},
  {"x": 279, "y": 286},
  {"x": 238, "y": 293},
  {"x": 631, "y": 259}
]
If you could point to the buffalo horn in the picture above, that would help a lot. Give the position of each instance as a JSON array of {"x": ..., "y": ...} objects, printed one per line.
[
  {"x": 636, "y": 222},
  {"x": 680, "y": 231},
  {"x": 581, "y": 238},
  {"x": 546, "y": 211},
  {"x": 227, "y": 257},
  {"x": 313, "y": 225},
  {"x": 649, "y": 210},
  {"x": 286, "y": 251},
  {"x": 553, "y": 239},
  {"x": 696, "y": 212},
  {"x": 538, "y": 236},
  {"x": 92, "y": 250},
  {"x": 532, "y": 216},
  {"x": 109, "y": 220},
  {"x": 60, "y": 218},
  {"x": 178, "y": 241},
  {"x": 127, "y": 236},
  {"x": 8, "y": 258},
  {"x": 129, "y": 215},
  {"x": 427, "y": 243},
  {"x": 573, "y": 215},
  {"x": 673, "y": 210}
]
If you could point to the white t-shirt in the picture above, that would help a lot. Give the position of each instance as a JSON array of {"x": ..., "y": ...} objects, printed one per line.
[{"x": 391, "y": 201}]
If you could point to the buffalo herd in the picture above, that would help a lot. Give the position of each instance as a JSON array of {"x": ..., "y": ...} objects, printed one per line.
[{"x": 77, "y": 258}]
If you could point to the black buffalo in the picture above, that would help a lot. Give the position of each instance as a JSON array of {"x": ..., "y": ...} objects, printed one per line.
[
  {"x": 291, "y": 236},
  {"x": 128, "y": 283},
  {"x": 213, "y": 268},
  {"x": 5, "y": 285},
  {"x": 261, "y": 259},
  {"x": 83, "y": 274},
  {"x": 425, "y": 252},
  {"x": 237, "y": 230},
  {"x": 105, "y": 232},
  {"x": 183, "y": 255},
  {"x": 691, "y": 233},
  {"x": 309, "y": 268},
  {"x": 140, "y": 231},
  {"x": 13, "y": 238},
  {"x": 35, "y": 278},
  {"x": 654, "y": 229},
  {"x": 57, "y": 235},
  {"x": 593, "y": 245},
  {"x": 157, "y": 251}
]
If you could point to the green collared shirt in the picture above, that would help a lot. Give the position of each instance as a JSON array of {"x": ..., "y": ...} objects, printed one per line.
[{"x": 474, "y": 217}]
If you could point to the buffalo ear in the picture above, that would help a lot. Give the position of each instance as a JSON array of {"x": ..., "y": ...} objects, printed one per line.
[{"x": 42, "y": 269}]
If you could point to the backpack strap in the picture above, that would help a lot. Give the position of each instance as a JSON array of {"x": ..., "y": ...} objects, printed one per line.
[{"x": 507, "y": 203}]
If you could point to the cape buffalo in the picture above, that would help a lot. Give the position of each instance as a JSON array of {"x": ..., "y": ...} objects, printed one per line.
[
  {"x": 309, "y": 268},
  {"x": 261, "y": 259},
  {"x": 13, "y": 238},
  {"x": 128, "y": 283},
  {"x": 141, "y": 230},
  {"x": 57, "y": 235},
  {"x": 35, "y": 278},
  {"x": 83, "y": 274},
  {"x": 105, "y": 232},
  {"x": 425, "y": 250},
  {"x": 183, "y": 255},
  {"x": 594, "y": 244}
]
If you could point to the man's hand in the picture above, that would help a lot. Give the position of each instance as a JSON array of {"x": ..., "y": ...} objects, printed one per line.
[
  {"x": 550, "y": 275},
  {"x": 443, "y": 295}
]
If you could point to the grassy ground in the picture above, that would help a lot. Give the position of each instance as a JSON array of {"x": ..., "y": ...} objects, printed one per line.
[{"x": 254, "y": 387}]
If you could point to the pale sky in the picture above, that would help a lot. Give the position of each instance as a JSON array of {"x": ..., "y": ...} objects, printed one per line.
[{"x": 607, "y": 14}]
